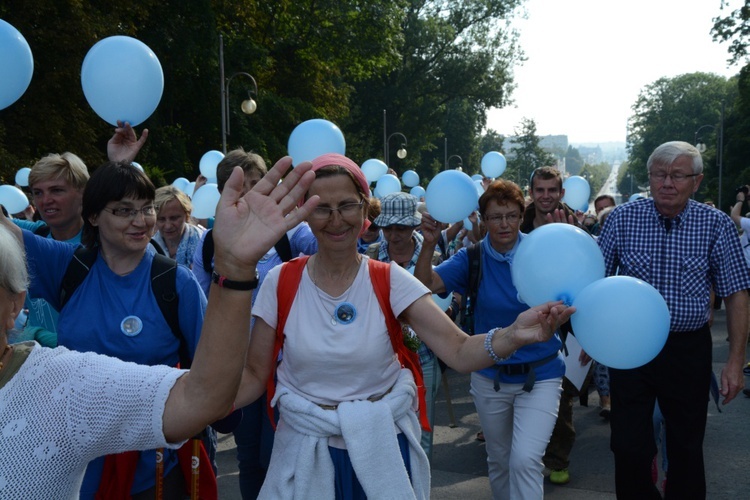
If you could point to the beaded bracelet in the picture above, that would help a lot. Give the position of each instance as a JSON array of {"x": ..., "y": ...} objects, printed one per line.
[{"x": 490, "y": 350}]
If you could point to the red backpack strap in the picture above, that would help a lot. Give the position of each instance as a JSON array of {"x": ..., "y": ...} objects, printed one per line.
[
  {"x": 289, "y": 280},
  {"x": 380, "y": 275}
]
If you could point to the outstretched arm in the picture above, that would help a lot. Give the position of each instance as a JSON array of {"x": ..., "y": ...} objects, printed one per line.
[
  {"x": 246, "y": 228},
  {"x": 124, "y": 145}
]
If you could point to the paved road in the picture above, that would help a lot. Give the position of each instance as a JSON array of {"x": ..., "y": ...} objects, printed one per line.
[{"x": 459, "y": 463}]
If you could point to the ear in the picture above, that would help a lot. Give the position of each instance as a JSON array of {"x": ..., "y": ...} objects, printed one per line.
[
  {"x": 94, "y": 220},
  {"x": 697, "y": 182},
  {"x": 16, "y": 300}
]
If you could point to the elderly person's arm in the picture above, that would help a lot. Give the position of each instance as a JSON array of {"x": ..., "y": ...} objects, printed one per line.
[
  {"x": 246, "y": 228},
  {"x": 732, "y": 379}
]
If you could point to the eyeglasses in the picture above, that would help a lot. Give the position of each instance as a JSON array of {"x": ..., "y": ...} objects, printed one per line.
[
  {"x": 346, "y": 210},
  {"x": 496, "y": 219},
  {"x": 675, "y": 176},
  {"x": 132, "y": 213}
]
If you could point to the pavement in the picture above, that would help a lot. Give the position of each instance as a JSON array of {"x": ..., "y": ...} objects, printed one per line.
[{"x": 459, "y": 468}]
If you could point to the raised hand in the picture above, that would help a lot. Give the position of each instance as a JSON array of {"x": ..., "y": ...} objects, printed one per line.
[
  {"x": 124, "y": 145},
  {"x": 247, "y": 227},
  {"x": 430, "y": 229}
]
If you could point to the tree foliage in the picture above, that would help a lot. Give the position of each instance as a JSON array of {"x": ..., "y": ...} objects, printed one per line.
[
  {"x": 528, "y": 155},
  {"x": 735, "y": 29},
  {"x": 436, "y": 66}
]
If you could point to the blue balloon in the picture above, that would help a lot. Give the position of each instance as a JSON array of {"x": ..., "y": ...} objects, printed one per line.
[
  {"x": 388, "y": 184},
  {"x": 205, "y": 201},
  {"x": 13, "y": 199},
  {"x": 209, "y": 161},
  {"x": 451, "y": 196},
  {"x": 181, "y": 183},
  {"x": 636, "y": 196},
  {"x": 417, "y": 191},
  {"x": 410, "y": 178},
  {"x": 374, "y": 169},
  {"x": 468, "y": 225},
  {"x": 577, "y": 191},
  {"x": 313, "y": 138},
  {"x": 555, "y": 262},
  {"x": 190, "y": 189},
  {"x": 477, "y": 177},
  {"x": 22, "y": 176},
  {"x": 17, "y": 64},
  {"x": 493, "y": 164},
  {"x": 442, "y": 303},
  {"x": 621, "y": 322},
  {"x": 122, "y": 80},
  {"x": 137, "y": 165}
]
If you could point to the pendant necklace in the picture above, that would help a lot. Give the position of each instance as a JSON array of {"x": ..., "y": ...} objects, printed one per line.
[{"x": 343, "y": 313}]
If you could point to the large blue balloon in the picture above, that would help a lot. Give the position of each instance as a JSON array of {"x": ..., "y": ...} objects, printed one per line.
[
  {"x": 493, "y": 164},
  {"x": 209, "y": 161},
  {"x": 577, "y": 191},
  {"x": 451, "y": 196},
  {"x": 374, "y": 169},
  {"x": 417, "y": 192},
  {"x": 388, "y": 184},
  {"x": 636, "y": 196},
  {"x": 13, "y": 199},
  {"x": 555, "y": 262},
  {"x": 205, "y": 201},
  {"x": 410, "y": 178},
  {"x": 621, "y": 322},
  {"x": 313, "y": 138},
  {"x": 122, "y": 80},
  {"x": 16, "y": 62},
  {"x": 22, "y": 176}
]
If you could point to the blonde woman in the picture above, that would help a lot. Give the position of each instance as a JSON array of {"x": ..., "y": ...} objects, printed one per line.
[{"x": 175, "y": 235}]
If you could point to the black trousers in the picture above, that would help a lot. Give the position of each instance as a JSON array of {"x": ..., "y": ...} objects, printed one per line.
[{"x": 679, "y": 378}]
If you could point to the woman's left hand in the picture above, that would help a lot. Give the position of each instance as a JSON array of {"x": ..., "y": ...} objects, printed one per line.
[
  {"x": 539, "y": 323},
  {"x": 247, "y": 227}
]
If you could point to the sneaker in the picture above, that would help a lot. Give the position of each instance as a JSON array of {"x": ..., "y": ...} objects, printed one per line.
[
  {"x": 746, "y": 370},
  {"x": 560, "y": 476},
  {"x": 604, "y": 412},
  {"x": 746, "y": 392},
  {"x": 480, "y": 436}
]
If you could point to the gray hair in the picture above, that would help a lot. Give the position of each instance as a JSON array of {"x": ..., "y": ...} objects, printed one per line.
[
  {"x": 13, "y": 275},
  {"x": 669, "y": 152}
]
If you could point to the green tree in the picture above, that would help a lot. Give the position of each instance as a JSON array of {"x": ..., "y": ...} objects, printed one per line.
[
  {"x": 733, "y": 28},
  {"x": 527, "y": 155},
  {"x": 676, "y": 109},
  {"x": 573, "y": 161}
]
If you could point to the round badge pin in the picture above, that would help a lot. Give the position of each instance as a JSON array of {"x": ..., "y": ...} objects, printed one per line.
[{"x": 131, "y": 326}]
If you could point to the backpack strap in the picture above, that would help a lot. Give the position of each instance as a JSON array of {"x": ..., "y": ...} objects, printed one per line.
[
  {"x": 76, "y": 272},
  {"x": 164, "y": 287},
  {"x": 42, "y": 231},
  {"x": 289, "y": 279},
  {"x": 208, "y": 252},
  {"x": 380, "y": 275},
  {"x": 468, "y": 305}
]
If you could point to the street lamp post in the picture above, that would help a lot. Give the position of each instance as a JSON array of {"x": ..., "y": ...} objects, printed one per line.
[
  {"x": 460, "y": 161},
  {"x": 701, "y": 146},
  {"x": 248, "y": 106},
  {"x": 401, "y": 153}
]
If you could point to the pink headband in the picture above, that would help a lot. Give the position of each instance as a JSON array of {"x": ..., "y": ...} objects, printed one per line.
[{"x": 329, "y": 159}]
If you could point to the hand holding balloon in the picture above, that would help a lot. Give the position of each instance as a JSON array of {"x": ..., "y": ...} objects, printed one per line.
[{"x": 124, "y": 144}]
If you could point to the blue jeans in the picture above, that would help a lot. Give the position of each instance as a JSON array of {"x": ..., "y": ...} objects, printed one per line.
[{"x": 254, "y": 440}]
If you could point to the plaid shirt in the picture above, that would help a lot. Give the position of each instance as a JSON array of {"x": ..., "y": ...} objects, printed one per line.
[
  {"x": 425, "y": 354},
  {"x": 701, "y": 251}
]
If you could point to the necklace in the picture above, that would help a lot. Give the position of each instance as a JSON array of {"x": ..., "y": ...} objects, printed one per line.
[
  {"x": 343, "y": 313},
  {"x": 8, "y": 348}
]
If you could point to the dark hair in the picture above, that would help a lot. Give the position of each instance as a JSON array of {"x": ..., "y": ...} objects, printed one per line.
[
  {"x": 545, "y": 173},
  {"x": 503, "y": 192},
  {"x": 248, "y": 162},
  {"x": 112, "y": 181}
]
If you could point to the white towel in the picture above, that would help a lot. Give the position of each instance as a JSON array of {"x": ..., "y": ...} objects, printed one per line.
[{"x": 301, "y": 465}]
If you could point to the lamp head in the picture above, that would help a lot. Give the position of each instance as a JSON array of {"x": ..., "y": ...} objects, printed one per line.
[
  {"x": 401, "y": 153},
  {"x": 249, "y": 106}
]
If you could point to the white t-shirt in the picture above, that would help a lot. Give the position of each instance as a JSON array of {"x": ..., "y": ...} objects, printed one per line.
[
  {"x": 328, "y": 363},
  {"x": 744, "y": 241}
]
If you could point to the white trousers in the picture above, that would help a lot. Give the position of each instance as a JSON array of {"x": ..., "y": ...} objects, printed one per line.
[{"x": 517, "y": 426}]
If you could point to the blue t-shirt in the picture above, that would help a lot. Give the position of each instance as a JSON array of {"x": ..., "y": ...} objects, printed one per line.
[
  {"x": 41, "y": 313},
  {"x": 498, "y": 306},
  {"x": 117, "y": 316}
]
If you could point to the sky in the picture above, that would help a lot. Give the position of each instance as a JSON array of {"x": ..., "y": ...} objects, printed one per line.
[{"x": 587, "y": 61}]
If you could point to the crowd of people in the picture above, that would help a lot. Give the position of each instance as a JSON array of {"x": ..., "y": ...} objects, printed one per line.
[{"x": 303, "y": 322}]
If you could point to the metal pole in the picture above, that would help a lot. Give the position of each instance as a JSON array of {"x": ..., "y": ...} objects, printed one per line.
[
  {"x": 446, "y": 154},
  {"x": 385, "y": 141},
  {"x": 223, "y": 97},
  {"x": 720, "y": 157}
]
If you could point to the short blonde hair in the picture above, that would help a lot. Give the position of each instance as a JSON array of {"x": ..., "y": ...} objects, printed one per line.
[
  {"x": 14, "y": 277},
  {"x": 66, "y": 166},
  {"x": 165, "y": 194}
]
